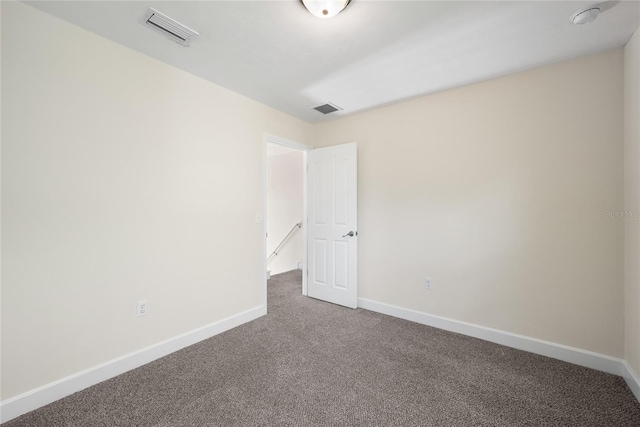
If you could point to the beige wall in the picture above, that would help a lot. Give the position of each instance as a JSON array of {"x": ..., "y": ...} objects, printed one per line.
[
  {"x": 284, "y": 209},
  {"x": 498, "y": 192},
  {"x": 632, "y": 200},
  {"x": 122, "y": 179}
]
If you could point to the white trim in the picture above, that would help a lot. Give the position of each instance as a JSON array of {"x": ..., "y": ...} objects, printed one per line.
[
  {"x": 38, "y": 397},
  {"x": 632, "y": 379},
  {"x": 265, "y": 140},
  {"x": 589, "y": 359},
  {"x": 286, "y": 142},
  {"x": 305, "y": 215}
]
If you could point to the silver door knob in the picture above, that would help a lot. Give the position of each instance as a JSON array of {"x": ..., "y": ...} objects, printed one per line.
[{"x": 351, "y": 234}]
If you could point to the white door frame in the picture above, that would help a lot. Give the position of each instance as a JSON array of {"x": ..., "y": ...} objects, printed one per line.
[{"x": 272, "y": 139}]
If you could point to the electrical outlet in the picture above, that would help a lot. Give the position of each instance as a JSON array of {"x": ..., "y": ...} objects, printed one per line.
[
  {"x": 141, "y": 308},
  {"x": 427, "y": 283}
]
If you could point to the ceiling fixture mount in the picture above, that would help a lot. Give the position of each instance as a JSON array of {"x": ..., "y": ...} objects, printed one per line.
[
  {"x": 325, "y": 8},
  {"x": 585, "y": 15}
]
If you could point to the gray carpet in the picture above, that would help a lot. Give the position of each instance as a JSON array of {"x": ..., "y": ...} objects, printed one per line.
[{"x": 309, "y": 363}]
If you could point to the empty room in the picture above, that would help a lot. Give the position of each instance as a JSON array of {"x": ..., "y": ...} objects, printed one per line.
[{"x": 320, "y": 213}]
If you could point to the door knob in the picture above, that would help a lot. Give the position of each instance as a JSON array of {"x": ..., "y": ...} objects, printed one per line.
[{"x": 351, "y": 234}]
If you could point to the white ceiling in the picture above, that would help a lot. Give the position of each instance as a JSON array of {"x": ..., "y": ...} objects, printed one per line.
[{"x": 374, "y": 53}]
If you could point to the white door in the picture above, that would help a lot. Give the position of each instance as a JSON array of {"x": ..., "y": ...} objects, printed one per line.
[{"x": 332, "y": 227}]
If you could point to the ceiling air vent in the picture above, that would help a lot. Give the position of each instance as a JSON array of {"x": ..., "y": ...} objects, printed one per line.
[
  {"x": 169, "y": 27},
  {"x": 327, "y": 108}
]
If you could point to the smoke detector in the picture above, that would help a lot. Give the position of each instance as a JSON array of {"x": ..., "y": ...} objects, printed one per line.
[
  {"x": 171, "y": 28},
  {"x": 585, "y": 15}
]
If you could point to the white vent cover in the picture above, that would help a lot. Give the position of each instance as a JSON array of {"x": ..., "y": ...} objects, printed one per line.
[{"x": 169, "y": 27}]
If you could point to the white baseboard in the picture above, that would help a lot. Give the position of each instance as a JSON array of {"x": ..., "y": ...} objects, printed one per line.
[
  {"x": 41, "y": 396},
  {"x": 632, "y": 379},
  {"x": 36, "y": 398},
  {"x": 589, "y": 359}
]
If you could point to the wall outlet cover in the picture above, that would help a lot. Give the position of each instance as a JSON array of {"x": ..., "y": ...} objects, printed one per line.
[{"x": 141, "y": 308}]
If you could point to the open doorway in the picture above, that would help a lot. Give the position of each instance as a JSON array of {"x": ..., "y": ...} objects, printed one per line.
[{"x": 285, "y": 208}]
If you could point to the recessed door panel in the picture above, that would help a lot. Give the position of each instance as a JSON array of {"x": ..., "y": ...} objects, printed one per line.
[
  {"x": 341, "y": 265},
  {"x": 341, "y": 206},
  {"x": 320, "y": 261},
  {"x": 319, "y": 193}
]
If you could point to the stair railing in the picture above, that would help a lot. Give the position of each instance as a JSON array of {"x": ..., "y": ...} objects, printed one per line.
[{"x": 275, "y": 252}]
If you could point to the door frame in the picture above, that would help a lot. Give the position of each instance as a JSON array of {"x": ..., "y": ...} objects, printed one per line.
[{"x": 273, "y": 139}]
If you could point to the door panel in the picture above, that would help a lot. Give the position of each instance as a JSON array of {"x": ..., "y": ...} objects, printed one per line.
[
  {"x": 319, "y": 261},
  {"x": 332, "y": 189}
]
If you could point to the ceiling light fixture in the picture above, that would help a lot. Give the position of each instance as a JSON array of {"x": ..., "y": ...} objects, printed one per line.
[
  {"x": 325, "y": 8},
  {"x": 585, "y": 15}
]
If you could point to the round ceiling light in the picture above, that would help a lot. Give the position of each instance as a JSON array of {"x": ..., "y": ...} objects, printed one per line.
[
  {"x": 586, "y": 15},
  {"x": 325, "y": 8}
]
